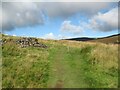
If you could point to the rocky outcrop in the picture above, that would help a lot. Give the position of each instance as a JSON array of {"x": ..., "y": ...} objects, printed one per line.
[
  {"x": 26, "y": 42},
  {"x": 2, "y": 41}
]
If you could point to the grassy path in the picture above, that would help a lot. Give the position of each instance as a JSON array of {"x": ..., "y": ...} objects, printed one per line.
[
  {"x": 57, "y": 69},
  {"x": 65, "y": 70},
  {"x": 62, "y": 65}
]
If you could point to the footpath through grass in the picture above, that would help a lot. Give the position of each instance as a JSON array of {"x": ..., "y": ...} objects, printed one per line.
[
  {"x": 65, "y": 70},
  {"x": 63, "y": 64},
  {"x": 76, "y": 67}
]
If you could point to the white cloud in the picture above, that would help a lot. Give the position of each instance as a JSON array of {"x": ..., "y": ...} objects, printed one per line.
[
  {"x": 61, "y": 1},
  {"x": 6, "y": 34},
  {"x": 71, "y": 28},
  {"x": 20, "y": 15},
  {"x": 55, "y": 37},
  {"x": 62, "y": 37},
  {"x": 105, "y": 21},
  {"x": 49, "y": 36},
  {"x": 67, "y": 9},
  {"x": 25, "y": 14},
  {"x": 13, "y": 35}
]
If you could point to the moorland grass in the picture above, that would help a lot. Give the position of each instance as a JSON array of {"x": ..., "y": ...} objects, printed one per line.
[{"x": 64, "y": 64}]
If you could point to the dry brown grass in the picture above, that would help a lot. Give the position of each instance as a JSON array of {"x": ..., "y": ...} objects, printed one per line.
[
  {"x": 107, "y": 40},
  {"x": 106, "y": 55}
]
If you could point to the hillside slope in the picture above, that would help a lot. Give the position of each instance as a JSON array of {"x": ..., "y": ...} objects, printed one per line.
[
  {"x": 113, "y": 39},
  {"x": 63, "y": 64}
]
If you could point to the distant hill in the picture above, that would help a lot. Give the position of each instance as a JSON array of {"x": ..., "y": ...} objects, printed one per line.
[
  {"x": 81, "y": 39},
  {"x": 109, "y": 39},
  {"x": 114, "y": 39}
]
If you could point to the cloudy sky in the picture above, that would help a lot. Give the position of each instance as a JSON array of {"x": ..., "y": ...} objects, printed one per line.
[{"x": 57, "y": 20}]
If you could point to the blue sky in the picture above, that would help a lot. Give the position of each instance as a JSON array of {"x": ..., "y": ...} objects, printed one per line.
[{"x": 60, "y": 20}]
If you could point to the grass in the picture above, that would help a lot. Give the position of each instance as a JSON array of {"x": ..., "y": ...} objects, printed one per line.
[
  {"x": 27, "y": 67},
  {"x": 97, "y": 70},
  {"x": 64, "y": 64},
  {"x": 0, "y": 64}
]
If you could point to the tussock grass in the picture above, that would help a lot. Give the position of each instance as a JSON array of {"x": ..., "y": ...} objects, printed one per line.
[
  {"x": 24, "y": 67},
  {"x": 75, "y": 64},
  {"x": 101, "y": 65}
]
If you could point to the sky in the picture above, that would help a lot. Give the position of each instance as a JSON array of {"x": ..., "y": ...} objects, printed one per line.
[{"x": 59, "y": 20}]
